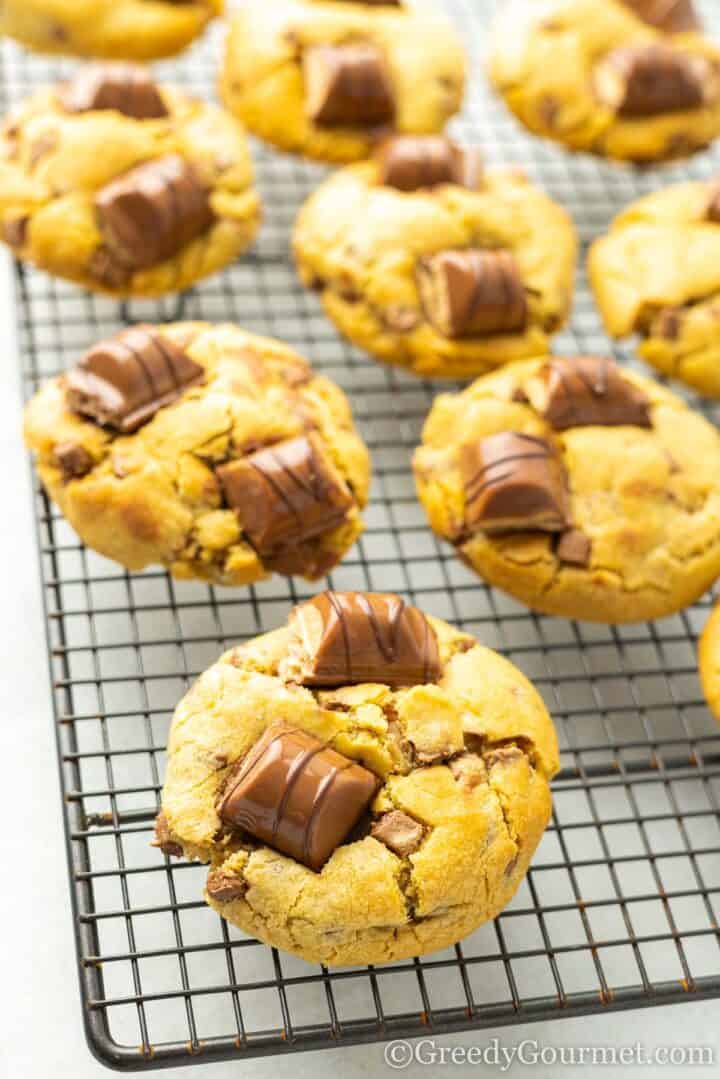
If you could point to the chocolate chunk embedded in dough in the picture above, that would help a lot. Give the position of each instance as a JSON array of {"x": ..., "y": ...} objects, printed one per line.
[
  {"x": 514, "y": 482},
  {"x": 574, "y": 547},
  {"x": 152, "y": 212},
  {"x": 73, "y": 460},
  {"x": 647, "y": 80},
  {"x": 399, "y": 832},
  {"x": 346, "y": 638},
  {"x": 121, "y": 383},
  {"x": 472, "y": 293},
  {"x": 126, "y": 88},
  {"x": 413, "y": 162},
  {"x": 713, "y": 205},
  {"x": 225, "y": 887},
  {"x": 162, "y": 839},
  {"x": 286, "y": 494},
  {"x": 348, "y": 85},
  {"x": 586, "y": 391},
  {"x": 673, "y": 16},
  {"x": 297, "y": 795}
]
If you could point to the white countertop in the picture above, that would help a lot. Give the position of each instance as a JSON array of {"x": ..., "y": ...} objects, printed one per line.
[{"x": 41, "y": 1013}]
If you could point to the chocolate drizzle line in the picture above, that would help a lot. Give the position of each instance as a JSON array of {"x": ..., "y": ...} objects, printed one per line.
[
  {"x": 294, "y": 772},
  {"x": 337, "y": 607},
  {"x": 321, "y": 794}
]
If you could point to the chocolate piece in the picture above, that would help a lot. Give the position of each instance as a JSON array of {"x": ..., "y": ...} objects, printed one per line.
[
  {"x": 348, "y": 85},
  {"x": 152, "y": 212},
  {"x": 73, "y": 460},
  {"x": 574, "y": 547},
  {"x": 514, "y": 482},
  {"x": 399, "y": 832},
  {"x": 472, "y": 293},
  {"x": 121, "y": 383},
  {"x": 503, "y": 755},
  {"x": 297, "y": 795},
  {"x": 412, "y": 162},
  {"x": 14, "y": 231},
  {"x": 668, "y": 321},
  {"x": 162, "y": 838},
  {"x": 713, "y": 206},
  {"x": 646, "y": 80},
  {"x": 286, "y": 494},
  {"x": 672, "y": 16},
  {"x": 346, "y": 638},
  {"x": 126, "y": 88},
  {"x": 589, "y": 391},
  {"x": 468, "y": 770},
  {"x": 225, "y": 887}
]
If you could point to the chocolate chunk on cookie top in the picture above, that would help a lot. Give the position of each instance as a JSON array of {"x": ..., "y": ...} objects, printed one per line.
[
  {"x": 672, "y": 16},
  {"x": 649, "y": 79},
  {"x": 348, "y": 85},
  {"x": 121, "y": 383},
  {"x": 514, "y": 482},
  {"x": 152, "y": 212},
  {"x": 297, "y": 795},
  {"x": 125, "y": 88},
  {"x": 416, "y": 162},
  {"x": 472, "y": 293},
  {"x": 347, "y": 638},
  {"x": 586, "y": 391},
  {"x": 286, "y": 494}
]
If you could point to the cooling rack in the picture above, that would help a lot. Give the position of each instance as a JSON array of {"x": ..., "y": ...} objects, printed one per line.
[{"x": 621, "y": 907}]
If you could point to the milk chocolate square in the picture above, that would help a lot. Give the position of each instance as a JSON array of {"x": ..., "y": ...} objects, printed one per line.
[
  {"x": 122, "y": 382},
  {"x": 348, "y": 86},
  {"x": 414, "y": 162},
  {"x": 125, "y": 88},
  {"x": 297, "y": 795},
  {"x": 472, "y": 293},
  {"x": 346, "y": 638},
  {"x": 651, "y": 79},
  {"x": 586, "y": 391},
  {"x": 514, "y": 482},
  {"x": 286, "y": 494}
]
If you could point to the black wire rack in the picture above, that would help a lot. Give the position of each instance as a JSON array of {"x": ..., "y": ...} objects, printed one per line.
[{"x": 621, "y": 907}]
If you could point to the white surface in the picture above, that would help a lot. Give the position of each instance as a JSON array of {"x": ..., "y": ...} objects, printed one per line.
[{"x": 41, "y": 1011}]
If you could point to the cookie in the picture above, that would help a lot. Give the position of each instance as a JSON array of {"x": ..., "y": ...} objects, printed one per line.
[
  {"x": 710, "y": 661},
  {"x": 366, "y": 783},
  {"x": 113, "y": 29},
  {"x": 425, "y": 260},
  {"x": 327, "y": 79},
  {"x": 216, "y": 453},
  {"x": 577, "y": 486},
  {"x": 609, "y": 77},
  {"x": 657, "y": 273},
  {"x": 124, "y": 186}
]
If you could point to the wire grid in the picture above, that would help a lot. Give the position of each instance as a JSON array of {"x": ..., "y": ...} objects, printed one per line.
[{"x": 622, "y": 904}]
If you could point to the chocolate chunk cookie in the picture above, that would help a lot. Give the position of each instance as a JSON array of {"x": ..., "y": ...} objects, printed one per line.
[
  {"x": 112, "y": 29},
  {"x": 657, "y": 273},
  {"x": 327, "y": 79},
  {"x": 630, "y": 79},
  {"x": 216, "y": 453},
  {"x": 426, "y": 260},
  {"x": 577, "y": 486},
  {"x": 125, "y": 186},
  {"x": 366, "y": 783}
]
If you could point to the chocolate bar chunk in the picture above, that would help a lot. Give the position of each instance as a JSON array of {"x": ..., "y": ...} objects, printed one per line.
[
  {"x": 673, "y": 16},
  {"x": 646, "y": 80},
  {"x": 348, "y": 85},
  {"x": 412, "y": 162},
  {"x": 514, "y": 482},
  {"x": 472, "y": 293},
  {"x": 285, "y": 494},
  {"x": 126, "y": 88},
  {"x": 713, "y": 206},
  {"x": 152, "y": 212},
  {"x": 297, "y": 795},
  {"x": 589, "y": 390},
  {"x": 346, "y": 638},
  {"x": 399, "y": 832},
  {"x": 73, "y": 460},
  {"x": 574, "y": 547},
  {"x": 121, "y": 383}
]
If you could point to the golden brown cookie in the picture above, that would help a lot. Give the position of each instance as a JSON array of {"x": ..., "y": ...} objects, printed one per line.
[
  {"x": 426, "y": 260},
  {"x": 125, "y": 186},
  {"x": 709, "y": 660},
  {"x": 366, "y": 783},
  {"x": 609, "y": 77},
  {"x": 326, "y": 79},
  {"x": 577, "y": 486},
  {"x": 657, "y": 273},
  {"x": 219, "y": 454},
  {"x": 113, "y": 29}
]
